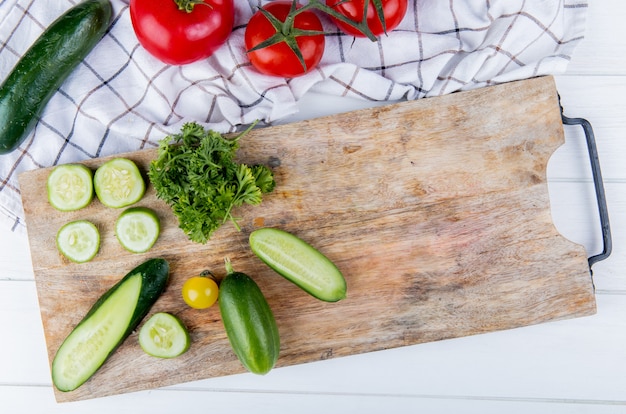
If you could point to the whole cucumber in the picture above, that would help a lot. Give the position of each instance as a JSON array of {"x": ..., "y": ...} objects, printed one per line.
[
  {"x": 45, "y": 66},
  {"x": 249, "y": 322}
]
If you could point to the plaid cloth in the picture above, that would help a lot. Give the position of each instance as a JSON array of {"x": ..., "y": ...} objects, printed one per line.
[{"x": 122, "y": 99}]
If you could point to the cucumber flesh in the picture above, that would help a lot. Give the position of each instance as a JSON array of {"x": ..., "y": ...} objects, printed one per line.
[
  {"x": 86, "y": 349},
  {"x": 299, "y": 262},
  {"x": 112, "y": 318},
  {"x": 137, "y": 229},
  {"x": 164, "y": 336},
  {"x": 70, "y": 187},
  {"x": 118, "y": 183},
  {"x": 78, "y": 240}
]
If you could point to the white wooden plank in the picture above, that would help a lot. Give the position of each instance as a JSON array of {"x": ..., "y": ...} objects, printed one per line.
[
  {"x": 601, "y": 52},
  {"x": 600, "y": 101},
  {"x": 575, "y": 215},
  {"x": 15, "y": 263},
  {"x": 23, "y": 354},
  {"x": 28, "y": 400}
]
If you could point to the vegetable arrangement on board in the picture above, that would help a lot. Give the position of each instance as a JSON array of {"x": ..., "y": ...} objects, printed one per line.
[{"x": 195, "y": 173}]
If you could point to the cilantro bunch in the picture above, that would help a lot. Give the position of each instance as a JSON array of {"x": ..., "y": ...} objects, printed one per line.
[{"x": 196, "y": 175}]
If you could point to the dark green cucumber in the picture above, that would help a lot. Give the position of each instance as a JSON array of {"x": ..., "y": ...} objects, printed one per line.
[
  {"x": 249, "y": 322},
  {"x": 45, "y": 66},
  {"x": 111, "y": 319}
]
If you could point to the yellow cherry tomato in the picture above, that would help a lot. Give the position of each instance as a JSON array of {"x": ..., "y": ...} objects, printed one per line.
[{"x": 200, "y": 292}]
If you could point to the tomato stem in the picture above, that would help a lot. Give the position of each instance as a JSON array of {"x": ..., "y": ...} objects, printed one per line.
[
  {"x": 209, "y": 274},
  {"x": 360, "y": 26},
  {"x": 188, "y": 5},
  {"x": 228, "y": 265},
  {"x": 286, "y": 31}
]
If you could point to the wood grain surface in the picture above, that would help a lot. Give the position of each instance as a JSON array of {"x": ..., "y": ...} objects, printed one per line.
[{"x": 436, "y": 211}]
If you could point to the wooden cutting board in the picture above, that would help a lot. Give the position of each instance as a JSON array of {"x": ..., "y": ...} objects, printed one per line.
[{"x": 436, "y": 211}]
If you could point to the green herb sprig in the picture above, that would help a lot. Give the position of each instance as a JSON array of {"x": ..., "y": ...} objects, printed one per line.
[{"x": 196, "y": 175}]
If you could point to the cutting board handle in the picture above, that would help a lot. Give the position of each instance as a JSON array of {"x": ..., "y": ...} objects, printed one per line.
[{"x": 598, "y": 184}]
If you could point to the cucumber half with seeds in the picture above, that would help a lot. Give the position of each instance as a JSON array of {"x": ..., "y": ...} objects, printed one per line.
[
  {"x": 299, "y": 262},
  {"x": 111, "y": 319},
  {"x": 70, "y": 187},
  {"x": 118, "y": 183}
]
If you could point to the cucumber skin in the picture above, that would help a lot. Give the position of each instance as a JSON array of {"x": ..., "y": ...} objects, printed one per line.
[
  {"x": 248, "y": 319},
  {"x": 154, "y": 277},
  {"x": 45, "y": 66}
]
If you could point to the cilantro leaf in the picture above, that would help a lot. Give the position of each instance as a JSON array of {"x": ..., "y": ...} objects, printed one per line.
[{"x": 196, "y": 175}]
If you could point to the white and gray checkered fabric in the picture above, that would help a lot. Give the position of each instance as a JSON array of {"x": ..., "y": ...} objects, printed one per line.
[{"x": 122, "y": 99}]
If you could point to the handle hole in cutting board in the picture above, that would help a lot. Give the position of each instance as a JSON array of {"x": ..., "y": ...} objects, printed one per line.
[{"x": 572, "y": 194}]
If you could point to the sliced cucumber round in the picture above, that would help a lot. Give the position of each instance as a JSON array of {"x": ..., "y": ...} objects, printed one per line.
[
  {"x": 164, "y": 336},
  {"x": 299, "y": 262},
  {"x": 118, "y": 183},
  {"x": 137, "y": 229},
  {"x": 78, "y": 240},
  {"x": 70, "y": 187}
]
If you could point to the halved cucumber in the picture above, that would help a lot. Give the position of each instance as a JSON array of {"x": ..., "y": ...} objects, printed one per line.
[
  {"x": 111, "y": 319},
  {"x": 299, "y": 262},
  {"x": 78, "y": 240},
  {"x": 70, "y": 187},
  {"x": 118, "y": 183},
  {"x": 164, "y": 336},
  {"x": 137, "y": 229}
]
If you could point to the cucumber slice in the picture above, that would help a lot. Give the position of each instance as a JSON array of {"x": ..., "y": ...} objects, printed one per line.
[
  {"x": 164, "y": 336},
  {"x": 78, "y": 240},
  {"x": 118, "y": 183},
  {"x": 70, "y": 187},
  {"x": 110, "y": 320},
  {"x": 137, "y": 229},
  {"x": 299, "y": 262}
]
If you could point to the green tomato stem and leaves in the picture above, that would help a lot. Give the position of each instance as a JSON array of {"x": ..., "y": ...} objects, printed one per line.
[
  {"x": 188, "y": 5},
  {"x": 289, "y": 28},
  {"x": 196, "y": 175}
]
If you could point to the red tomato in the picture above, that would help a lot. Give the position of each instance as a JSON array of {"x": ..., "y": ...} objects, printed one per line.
[
  {"x": 393, "y": 11},
  {"x": 178, "y": 37},
  {"x": 279, "y": 59}
]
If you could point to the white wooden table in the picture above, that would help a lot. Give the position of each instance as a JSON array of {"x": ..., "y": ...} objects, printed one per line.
[{"x": 572, "y": 366}]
